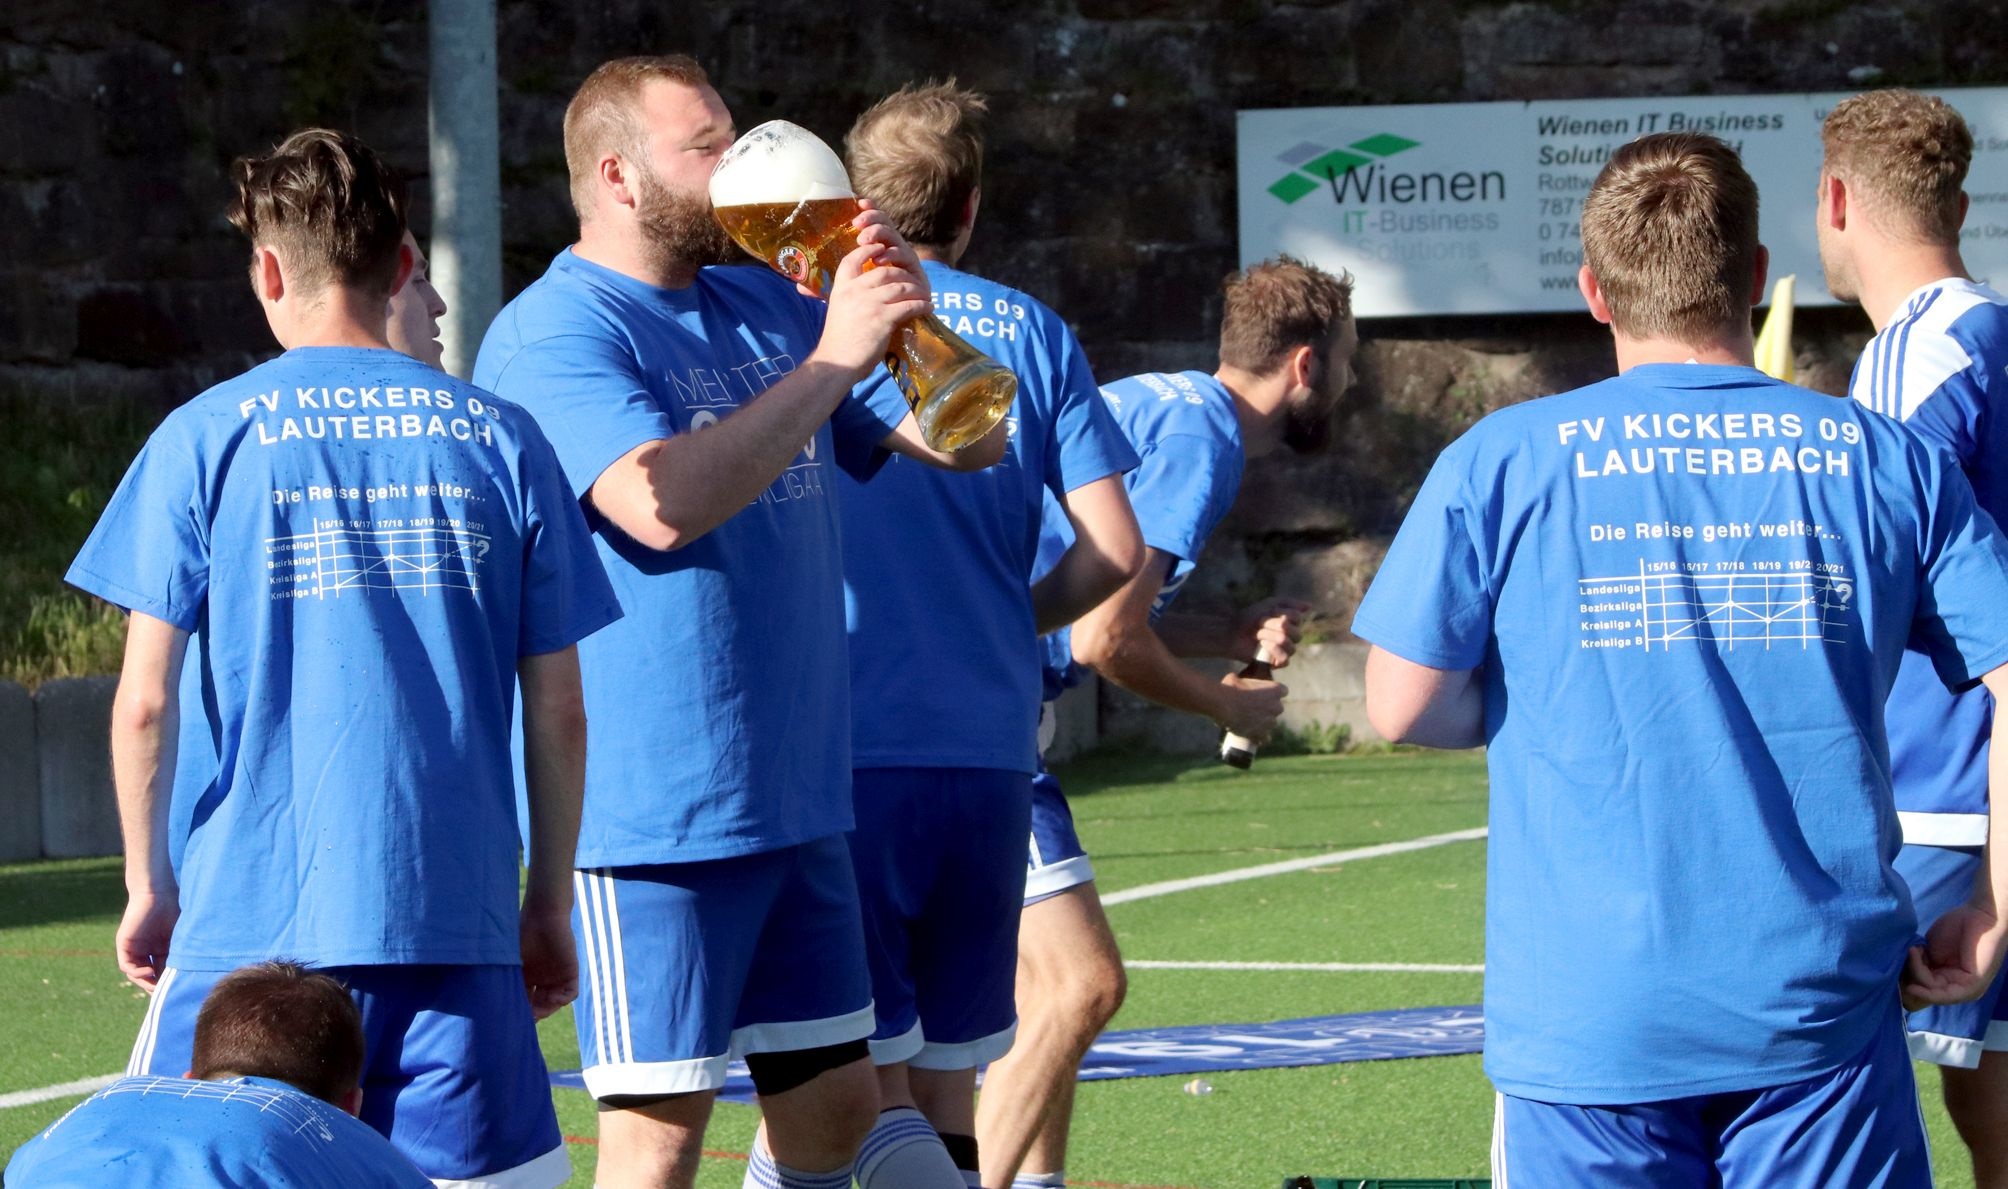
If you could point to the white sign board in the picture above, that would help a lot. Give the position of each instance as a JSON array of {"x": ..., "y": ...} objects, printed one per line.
[{"x": 1469, "y": 208}]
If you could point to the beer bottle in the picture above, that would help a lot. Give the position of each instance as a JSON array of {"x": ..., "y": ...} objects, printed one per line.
[{"x": 1235, "y": 751}]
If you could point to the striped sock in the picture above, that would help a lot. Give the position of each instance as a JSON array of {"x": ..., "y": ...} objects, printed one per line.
[
  {"x": 1039, "y": 1180},
  {"x": 763, "y": 1173},
  {"x": 903, "y": 1152}
]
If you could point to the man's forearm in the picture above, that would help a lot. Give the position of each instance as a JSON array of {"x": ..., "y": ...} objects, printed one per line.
[
  {"x": 1138, "y": 661},
  {"x": 144, "y": 740},
  {"x": 697, "y": 481},
  {"x": 146, "y": 725},
  {"x": 554, "y": 772}
]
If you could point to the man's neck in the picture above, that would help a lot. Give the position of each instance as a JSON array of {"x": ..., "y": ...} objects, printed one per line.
[
  {"x": 1899, "y": 270},
  {"x": 1730, "y": 348},
  {"x": 1258, "y": 407},
  {"x": 938, "y": 253},
  {"x": 632, "y": 257},
  {"x": 342, "y": 319}
]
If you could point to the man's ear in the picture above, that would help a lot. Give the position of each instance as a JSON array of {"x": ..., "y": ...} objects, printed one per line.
[
  {"x": 614, "y": 176},
  {"x": 1964, "y": 202},
  {"x": 1761, "y": 274},
  {"x": 1833, "y": 201},
  {"x": 970, "y": 207},
  {"x": 268, "y": 275},
  {"x": 406, "y": 265},
  {"x": 1593, "y": 295},
  {"x": 1303, "y": 366}
]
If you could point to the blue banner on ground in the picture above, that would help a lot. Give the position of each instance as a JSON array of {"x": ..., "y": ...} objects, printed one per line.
[{"x": 1217, "y": 1048}]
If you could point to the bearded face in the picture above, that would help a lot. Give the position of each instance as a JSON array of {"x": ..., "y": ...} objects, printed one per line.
[{"x": 679, "y": 225}]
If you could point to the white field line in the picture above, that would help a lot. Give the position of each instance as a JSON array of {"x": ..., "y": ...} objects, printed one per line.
[
  {"x": 1337, "y": 967},
  {"x": 51, "y": 1093},
  {"x": 1237, "y": 874}
]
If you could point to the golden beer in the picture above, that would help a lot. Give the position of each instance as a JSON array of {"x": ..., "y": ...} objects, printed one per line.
[{"x": 956, "y": 392}]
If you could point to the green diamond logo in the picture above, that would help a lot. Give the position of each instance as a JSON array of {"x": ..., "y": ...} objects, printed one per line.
[
  {"x": 1385, "y": 145},
  {"x": 1328, "y": 165},
  {"x": 1291, "y": 187}
]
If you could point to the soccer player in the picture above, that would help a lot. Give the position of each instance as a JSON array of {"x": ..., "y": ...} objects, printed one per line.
[
  {"x": 1287, "y": 340},
  {"x": 697, "y": 411},
  {"x": 370, "y": 555},
  {"x": 1889, "y": 216},
  {"x": 269, "y": 1099},
  {"x": 415, "y": 309},
  {"x": 945, "y": 680},
  {"x": 1671, "y": 605}
]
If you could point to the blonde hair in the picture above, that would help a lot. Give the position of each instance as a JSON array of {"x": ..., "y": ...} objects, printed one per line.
[
  {"x": 1272, "y": 308},
  {"x": 1905, "y": 155},
  {"x": 918, "y": 155},
  {"x": 603, "y": 117},
  {"x": 1670, "y": 233}
]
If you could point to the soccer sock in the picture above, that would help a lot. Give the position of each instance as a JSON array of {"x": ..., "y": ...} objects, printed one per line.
[
  {"x": 763, "y": 1173},
  {"x": 903, "y": 1152},
  {"x": 1039, "y": 1180}
]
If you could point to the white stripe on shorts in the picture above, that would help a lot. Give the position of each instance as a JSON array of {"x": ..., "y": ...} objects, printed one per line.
[
  {"x": 1498, "y": 1140},
  {"x": 590, "y": 955},
  {"x": 620, "y": 967},
  {"x": 149, "y": 1026}
]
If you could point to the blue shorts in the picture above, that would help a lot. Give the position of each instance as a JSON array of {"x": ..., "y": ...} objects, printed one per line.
[
  {"x": 1857, "y": 1126},
  {"x": 1056, "y": 861},
  {"x": 452, "y": 1073},
  {"x": 1940, "y": 878},
  {"x": 687, "y": 965},
  {"x": 936, "y": 851}
]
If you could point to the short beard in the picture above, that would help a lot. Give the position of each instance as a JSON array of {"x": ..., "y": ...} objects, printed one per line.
[
  {"x": 1308, "y": 430},
  {"x": 679, "y": 228}
]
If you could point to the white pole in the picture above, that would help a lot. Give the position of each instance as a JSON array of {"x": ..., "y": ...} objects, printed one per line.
[{"x": 466, "y": 248}]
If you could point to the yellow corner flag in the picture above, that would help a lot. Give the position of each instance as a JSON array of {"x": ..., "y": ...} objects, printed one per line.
[{"x": 1774, "y": 340}]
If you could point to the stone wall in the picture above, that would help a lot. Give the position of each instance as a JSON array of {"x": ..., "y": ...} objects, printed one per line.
[{"x": 1109, "y": 194}]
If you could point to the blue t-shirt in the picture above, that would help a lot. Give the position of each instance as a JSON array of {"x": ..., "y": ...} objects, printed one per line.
[
  {"x": 938, "y": 566},
  {"x": 721, "y": 704},
  {"x": 364, "y": 548},
  {"x": 1941, "y": 366},
  {"x": 1190, "y": 459},
  {"x": 179, "y": 1133},
  {"x": 1689, "y": 588}
]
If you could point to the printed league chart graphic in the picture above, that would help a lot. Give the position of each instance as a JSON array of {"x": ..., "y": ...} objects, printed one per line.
[
  {"x": 1472, "y": 208},
  {"x": 1665, "y": 604},
  {"x": 361, "y": 556}
]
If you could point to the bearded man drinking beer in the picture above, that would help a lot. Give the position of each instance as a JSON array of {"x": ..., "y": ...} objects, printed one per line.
[{"x": 695, "y": 408}]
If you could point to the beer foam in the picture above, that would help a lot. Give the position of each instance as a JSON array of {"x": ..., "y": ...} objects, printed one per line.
[{"x": 778, "y": 162}]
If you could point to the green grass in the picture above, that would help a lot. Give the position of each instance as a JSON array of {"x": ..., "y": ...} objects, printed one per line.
[
  {"x": 1146, "y": 819},
  {"x": 58, "y": 466}
]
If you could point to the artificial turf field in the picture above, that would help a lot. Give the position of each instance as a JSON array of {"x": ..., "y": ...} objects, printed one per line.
[{"x": 71, "y": 1016}]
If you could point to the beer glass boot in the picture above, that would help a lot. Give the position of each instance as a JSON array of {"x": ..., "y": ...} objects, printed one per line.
[{"x": 781, "y": 194}]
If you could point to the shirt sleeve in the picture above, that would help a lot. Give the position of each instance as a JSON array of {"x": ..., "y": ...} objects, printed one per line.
[
  {"x": 566, "y": 595},
  {"x": 1950, "y": 418},
  {"x": 1962, "y": 578},
  {"x": 1430, "y": 603},
  {"x": 1180, "y": 489},
  {"x": 587, "y": 395},
  {"x": 863, "y": 419},
  {"x": 150, "y": 549},
  {"x": 1087, "y": 444}
]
